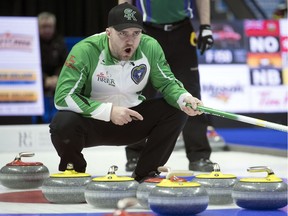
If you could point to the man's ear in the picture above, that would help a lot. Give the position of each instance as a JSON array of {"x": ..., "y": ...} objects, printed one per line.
[{"x": 108, "y": 32}]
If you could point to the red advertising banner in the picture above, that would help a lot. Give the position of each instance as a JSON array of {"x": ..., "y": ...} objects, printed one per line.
[{"x": 261, "y": 28}]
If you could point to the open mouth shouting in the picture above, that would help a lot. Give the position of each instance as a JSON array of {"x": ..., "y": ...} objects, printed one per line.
[{"x": 128, "y": 50}]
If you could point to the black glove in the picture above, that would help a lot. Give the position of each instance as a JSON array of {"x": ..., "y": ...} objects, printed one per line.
[{"x": 205, "y": 38}]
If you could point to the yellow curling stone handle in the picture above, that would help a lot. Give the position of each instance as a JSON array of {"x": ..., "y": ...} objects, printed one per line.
[
  {"x": 216, "y": 174},
  {"x": 70, "y": 173},
  {"x": 112, "y": 178},
  {"x": 270, "y": 178},
  {"x": 169, "y": 183}
]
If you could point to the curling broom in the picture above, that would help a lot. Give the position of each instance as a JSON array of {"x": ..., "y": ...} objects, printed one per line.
[{"x": 242, "y": 118}]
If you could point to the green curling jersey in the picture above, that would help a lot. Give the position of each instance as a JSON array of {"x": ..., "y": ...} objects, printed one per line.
[
  {"x": 92, "y": 80},
  {"x": 165, "y": 11}
]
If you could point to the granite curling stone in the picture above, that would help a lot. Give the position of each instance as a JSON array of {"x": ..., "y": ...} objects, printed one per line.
[
  {"x": 219, "y": 186},
  {"x": 23, "y": 175},
  {"x": 66, "y": 187},
  {"x": 269, "y": 193},
  {"x": 106, "y": 191},
  {"x": 146, "y": 187},
  {"x": 176, "y": 196}
]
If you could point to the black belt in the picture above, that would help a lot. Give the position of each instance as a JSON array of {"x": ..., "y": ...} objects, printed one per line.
[{"x": 168, "y": 27}]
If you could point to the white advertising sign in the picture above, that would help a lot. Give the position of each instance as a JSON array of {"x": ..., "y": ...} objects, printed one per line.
[
  {"x": 21, "y": 91},
  {"x": 269, "y": 99},
  {"x": 25, "y": 138},
  {"x": 225, "y": 87}
]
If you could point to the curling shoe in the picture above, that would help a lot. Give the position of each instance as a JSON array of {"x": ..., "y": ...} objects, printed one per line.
[
  {"x": 140, "y": 179},
  {"x": 131, "y": 164},
  {"x": 203, "y": 165}
]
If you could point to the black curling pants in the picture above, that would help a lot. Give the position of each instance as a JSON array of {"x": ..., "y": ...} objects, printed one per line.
[
  {"x": 182, "y": 58},
  {"x": 162, "y": 124}
]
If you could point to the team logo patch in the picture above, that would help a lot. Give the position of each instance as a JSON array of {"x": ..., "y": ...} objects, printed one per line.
[
  {"x": 138, "y": 73},
  {"x": 129, "y": 14}
]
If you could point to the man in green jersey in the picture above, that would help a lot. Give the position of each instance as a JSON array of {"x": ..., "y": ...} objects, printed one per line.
[
  {"x": 99, "y": 99},
  {"x": 169, "y": 22}
]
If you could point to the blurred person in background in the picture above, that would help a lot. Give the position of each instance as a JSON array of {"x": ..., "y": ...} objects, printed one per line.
[
  {"x": 281, "y": 11},
  {"x": 53, "y": 55},
  {"x": 169, "y": 22}
]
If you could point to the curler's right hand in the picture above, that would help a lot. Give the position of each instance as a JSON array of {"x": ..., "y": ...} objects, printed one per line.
[{"x": 122, "y": 115}]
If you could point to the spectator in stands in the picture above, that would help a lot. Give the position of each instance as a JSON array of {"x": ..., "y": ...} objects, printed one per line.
[
  {"x": 53, "y": 56},
  {"x": 281, "y": 11}
]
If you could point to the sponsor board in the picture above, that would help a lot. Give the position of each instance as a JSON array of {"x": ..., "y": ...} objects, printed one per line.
[
  {"x": 20, "y": 67},
  {"x": 17, "y": 76},
  {"x": 225, "y": 87},
  {"x": 228, "y": 88},
  {"x": 246, "y": 70},
  {"x": 228, "y": 45},
  {"x": 269, "y": 99},
  {"x": 21, "y": 138}
]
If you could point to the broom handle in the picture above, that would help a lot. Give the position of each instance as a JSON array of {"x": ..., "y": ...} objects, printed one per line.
[{"x": 242, "y": 118}]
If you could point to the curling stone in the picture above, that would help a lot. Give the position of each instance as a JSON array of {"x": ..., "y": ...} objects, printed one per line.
[
  {"x": 219, "y": 186},
  {"x": 106, "y": 191},
  {"x": 66, "y": 187},
  {"x": 176, "y": 196},
  {"x": 146, "y": 187},
  {"x": 267, "y": 193},
  {"x": 23, "y": 175}
]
